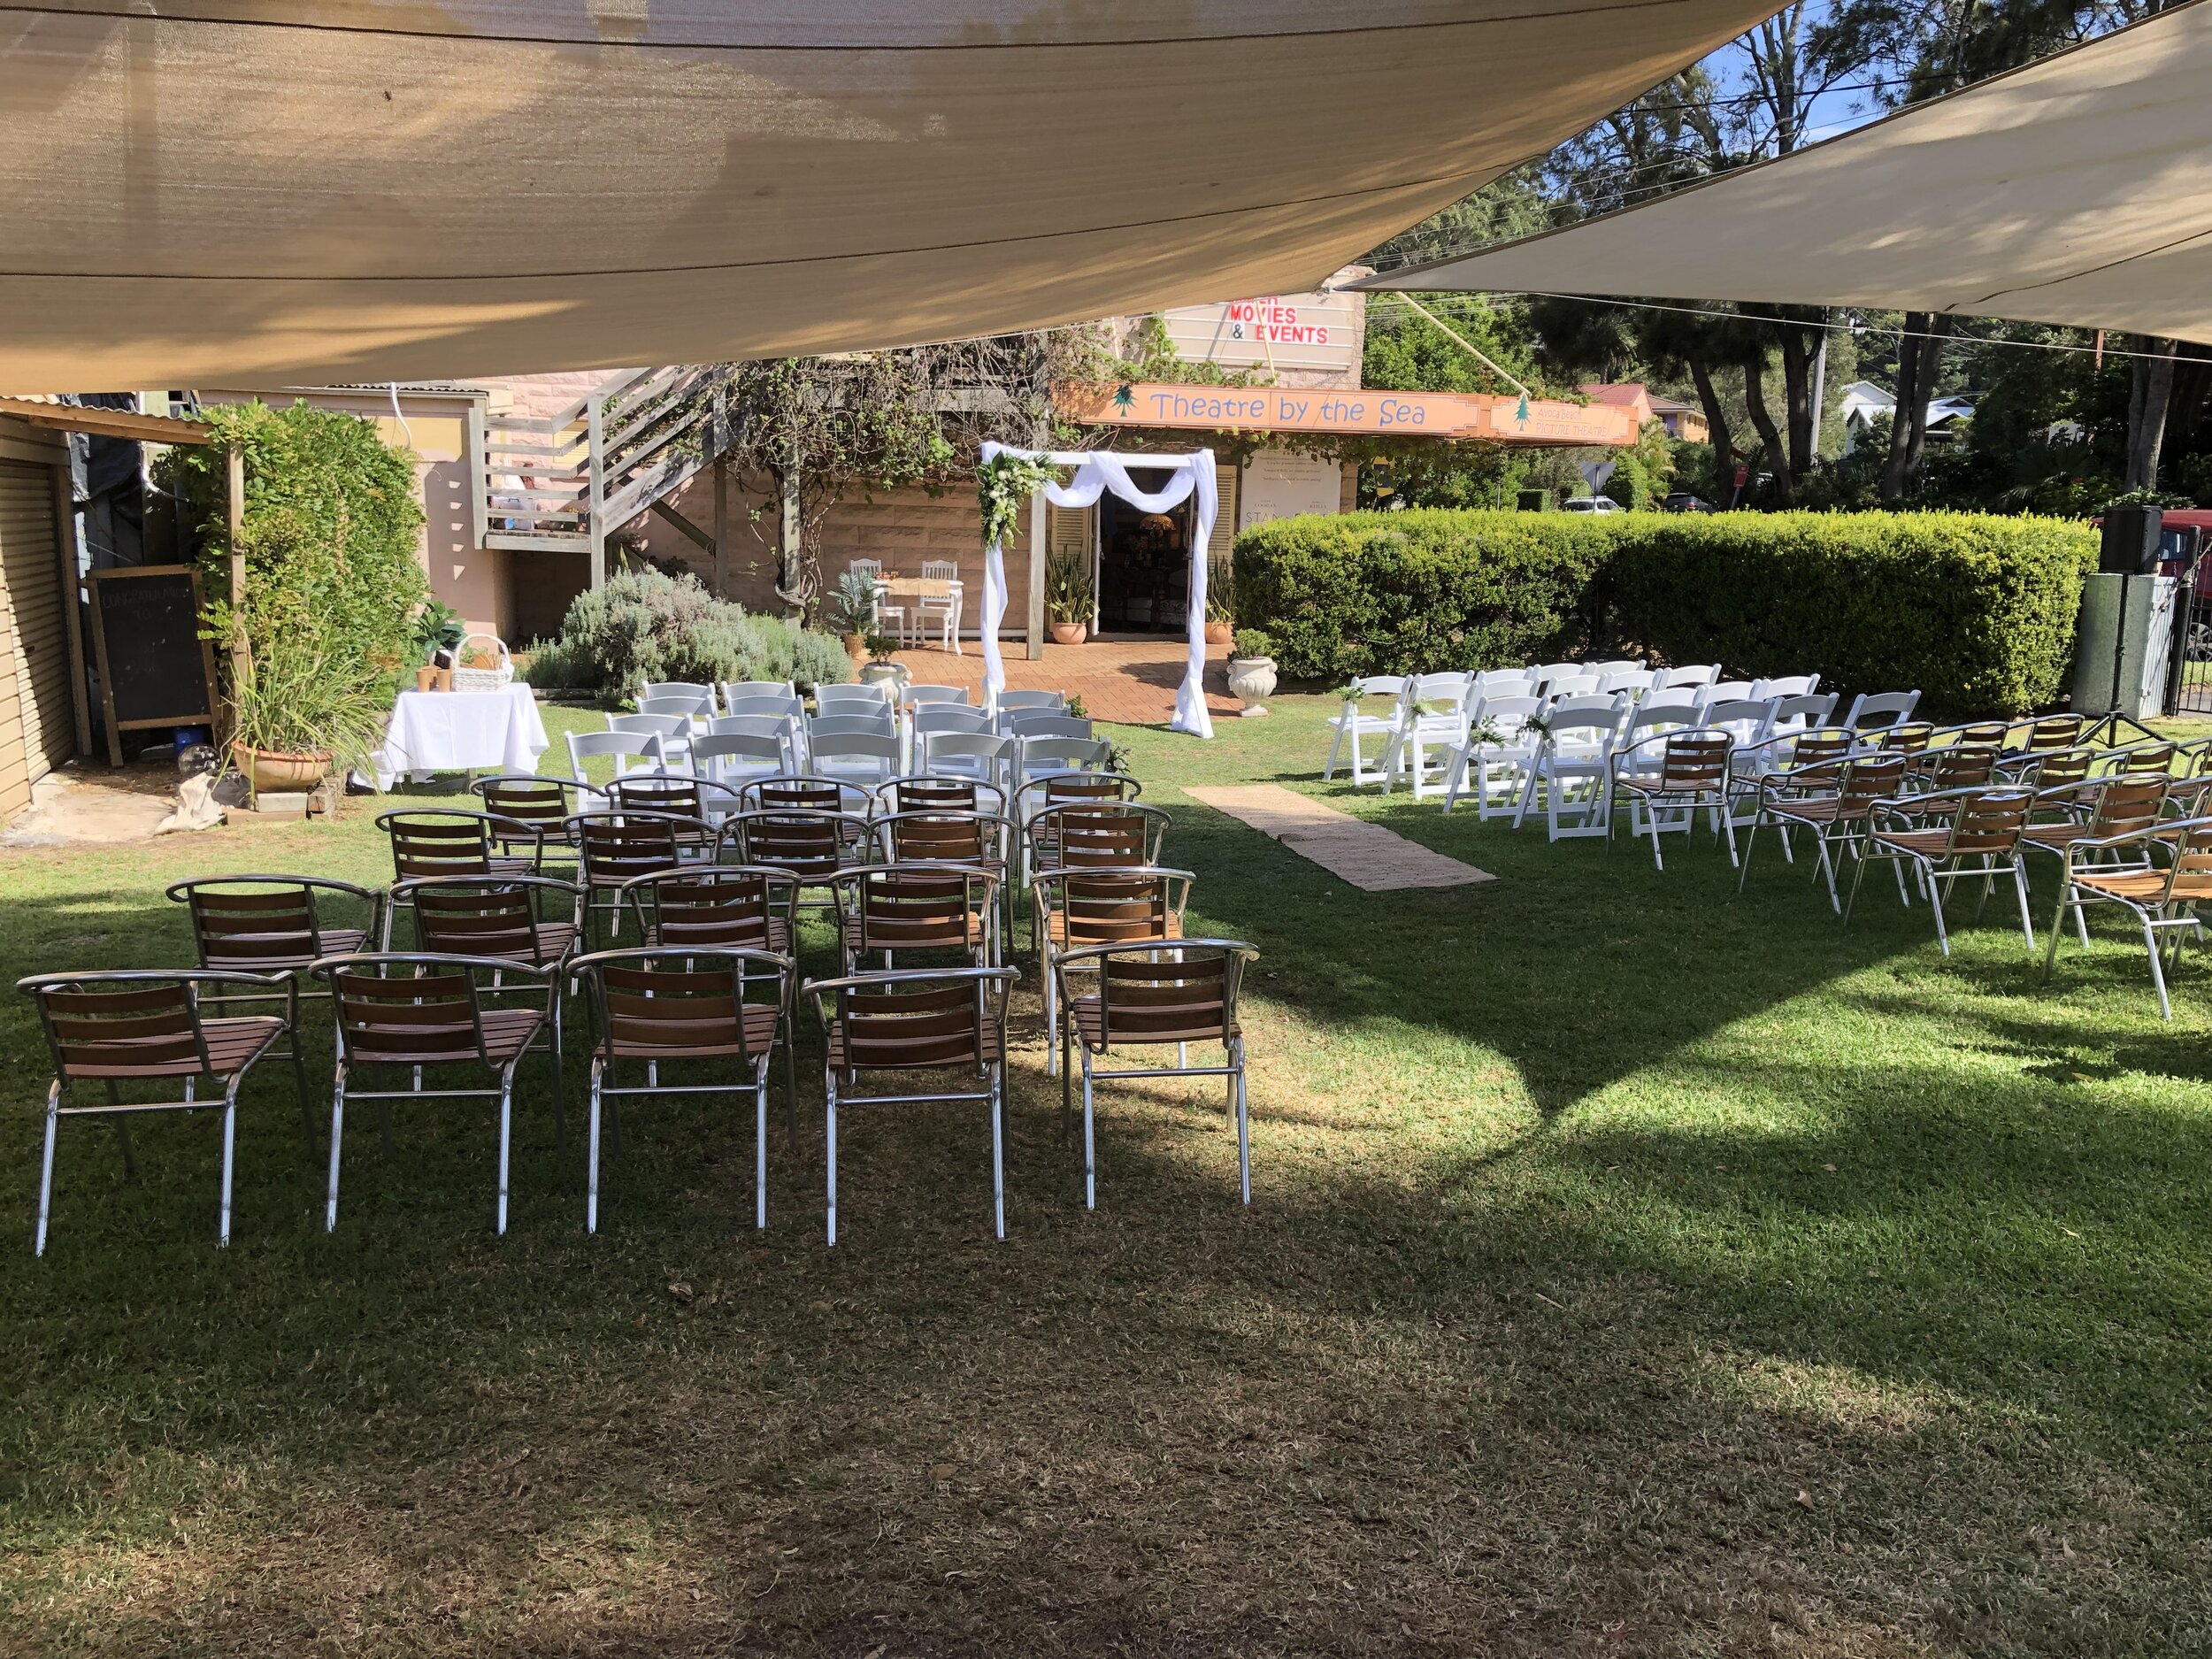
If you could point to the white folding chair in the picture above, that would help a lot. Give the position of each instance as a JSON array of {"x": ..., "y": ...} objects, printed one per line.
[
  {"x": 1573, "y": 769},
  {"x": 622, "y": 747},
  {"x": 983, "y": 756},
  {"x": 1432, "y": 721},
  {"x": 1504, "y": 682},
  {"x": 734, "y": 760},
  {"x": 882, "y": 618},
  {"x": 1692, "y": 674},
  {"x": 1786, "y": 686},
  {"x": 946, "y": 716},
  {"x": 1748, "y": 722},
  {"x": 674, "y": 730},
  {"x": 1035, "y": 757},
  {"x": 1881, "y": 710},
  {"x": 1805, "y": 712},
  {"x": 692, "y": 705},
  {"x": 1543, "y": 675},
  {"x": 732, "y": 689},
  {"x": 785, "y": 728},
  {"x": 1497, "y": 764},
  {"x": 944, "y": 608},
  {"x": 853, "y": 753},
  {"x": 1028, "y": 723},
  {"x": 676, "y": 688},
  {"x": 1043, "y": 702},
  {"x": 914, "y": 696},
  {"x": 864, "y": 698},
  {"x": 1612, "y": 664},
  {"x": 1630, "y": 679},
  {"x": 1354, "y": 722},
  {"x": 1565, "y": 686},
  {"x": 1724, "y": 691}
]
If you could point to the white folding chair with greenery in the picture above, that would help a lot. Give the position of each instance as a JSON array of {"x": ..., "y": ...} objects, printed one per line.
[
  {"x": 1035, "y": 757},
  {"x": 1499, "y": 749},
  {"x": 1370, "y": 710},
  {"x": 1573, "y": 770},
  {"x": 1830, "y": 792},
  {"x": 1432, "y": 729},
  {"x": 922, "y": 1020},
  {"x": 1116, "y": 996},
  {"x": 718, "y": 1011}
]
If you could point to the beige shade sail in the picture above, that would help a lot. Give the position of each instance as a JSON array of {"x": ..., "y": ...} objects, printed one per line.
[
  {"x": 258, "y": 190},
  {"x": 2077, "y": 190}
]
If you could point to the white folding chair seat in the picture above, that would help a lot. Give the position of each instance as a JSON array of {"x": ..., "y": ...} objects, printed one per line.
[
  {"x": 1361, "y": 718},
  {"x": 1573, "y": 769},
  {"x": 1496, "y": 768}
]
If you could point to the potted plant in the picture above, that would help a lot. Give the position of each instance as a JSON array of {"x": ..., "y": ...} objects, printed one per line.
[
  {"x": 881, "y": 648},
  {"x": 1068, "y": 599},
  {"x": 1221, "y": 601},
  {"x": 301, "y": 708},
  {"x": 1252, "y": 667},
  {"x": 849, "y": 608}
]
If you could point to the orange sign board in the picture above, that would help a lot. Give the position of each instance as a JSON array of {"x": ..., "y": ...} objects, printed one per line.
[{"x": 1361, "y": 410}]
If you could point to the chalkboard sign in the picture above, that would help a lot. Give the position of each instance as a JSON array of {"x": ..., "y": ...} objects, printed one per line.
[{"x": 154, "y": 669}]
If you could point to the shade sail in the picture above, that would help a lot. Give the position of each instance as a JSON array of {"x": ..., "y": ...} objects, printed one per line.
[
  {"x": 2077, "y": 190},
  {"x": 259, "y": 190}
]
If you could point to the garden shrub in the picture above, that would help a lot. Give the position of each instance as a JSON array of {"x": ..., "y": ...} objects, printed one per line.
[
  {"x": 643, "y": 624},
  {"x": 1977, "y": 611},
  {"x": 1391, "y": 593}
]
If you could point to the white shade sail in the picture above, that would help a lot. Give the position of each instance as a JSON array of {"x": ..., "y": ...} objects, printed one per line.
[
  {"x": 2077, "y": 190},
  {"x": 242, "y": 191}
]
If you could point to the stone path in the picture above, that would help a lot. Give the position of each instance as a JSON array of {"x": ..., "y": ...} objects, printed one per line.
[
  {"x": 1371, "y": 858},
  {"x": 1130, "y": 681}
]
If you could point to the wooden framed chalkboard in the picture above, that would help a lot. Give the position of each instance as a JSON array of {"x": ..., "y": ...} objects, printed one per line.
[{"x": 154, "y": 669}]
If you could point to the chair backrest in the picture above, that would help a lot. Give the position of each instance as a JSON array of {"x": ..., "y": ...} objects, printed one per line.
[
  {"x": 1869, "y": 779},
  {"x": 670, "y": 1002},
  {"x": 622, "y": 746},
  {"x": 732, "y": 906},
  {"x": 1113, "y": 906},
  {"x": 1545, "y": 673},
  {"x": 941, "y": 571},
  {"x": 1695, "y": 761},
  {"x": 1960, "y": 766},
  {"x": 438, "y": 843},
  {"x": 914, "y": 696},
  {"x": 534, "y": 804},
  {"x": 1689, "y": 674},
  {"x": 939, "y": 835},
  {"x": 1097, "y": 835},
  {"x": 721, "y": 757},
  {"x": 927, "y": 792},
  {"x": 1813, "y": 758},
  {"x": 952, "y": 717},
  {"x": 1683, "y": 699},
  {"x": 2060, "y": 768},
  {"x": 1626, "y": 679},
  {"x": 1032, "y": 724},
  {"x": 690, "y": 705},
  {"x": 1509, "y": 713},
  {"x": 877, "y": 751},
  {"x": 676, "y": 688},
  {"x": 1881, "y": 708},
  {"x": 1803, "y": 711},
  {"x": 934, "y": 1020},
  {"x": 697, "y": 800},
  {"x": 1451, "y": 686},
  {"x": 1645, "y": 719},
  {"x": 854, "y": 720},
  {"x": 1038, "y": 755},
  {"x": 956, "y": 752},
  {"x": 612, "y": 847},
  {"x": 867, "y": 695},
  {"x": 867, "y": 567},
  {"x": 651, "y": 724},
  {"x": 490, "y": 916},
  {"x": 2055, "y": 731},
  {"x": 777, "y": 727},
  {"x": 1378, "y": 686},
  {"x": 1187, "y": 994},
  {"x": 915, "y": 907},
  {"x": 1047, "y": 700},
  {"x": 1565, "y": 686},
  {"x": 1990, "y": 821},
  {"x": 808, "y": 843},
  {"x": 1725, "y": 691},
  {"x": 1745, "y": 719},
  {"x": 101, "y": 1026},
  {"x": 1787, "y": 685},
  {"x": 396, "y": 1009},
  {"x": 264, "y": 923},
  {"x": 2129, "y": 803},
  {"x": 1611, "y": 664},
  {"x": 806, "y": 793},
  {"x": 774, "y": 696},
  {"x": 1906, "y": 737},
  {"x": 1592, "y": 713}
]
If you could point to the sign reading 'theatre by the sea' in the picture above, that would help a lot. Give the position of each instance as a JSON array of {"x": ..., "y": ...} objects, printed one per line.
[{"x": 1359, "y": 410}]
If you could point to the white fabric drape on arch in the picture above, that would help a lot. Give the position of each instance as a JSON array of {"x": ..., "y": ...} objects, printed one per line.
[{"x": 1096, "y": 471}]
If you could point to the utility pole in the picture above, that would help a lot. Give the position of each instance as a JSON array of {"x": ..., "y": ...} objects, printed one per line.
[{"x": 1820, "y": 385}]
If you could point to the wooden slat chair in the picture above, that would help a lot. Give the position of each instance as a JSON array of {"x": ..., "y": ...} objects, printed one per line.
[
  {"x": 1109, "y": 905},
  {"x": 2096, "y": 811},
  {"x": 533, "y": 811},
  {"x": 930, "y": 792},
  {"x": 1693, "y": 770},
  {"x": 2161, "y": 874},
  {"x": 725, "y": 1008},
  {"x": 452, "y": 842},
  {"x": 2158, "y": 756},
  {"x": 1979, "y": 839},
  {"x": 678, "y": 796},
  {"x": 274, "y": 923},
  {"x": 418, "y": 1012},
  {"x": 716, "y": 907},
  {"x": 1131, "y": 995},
  {"x": 978, "y": 841},
  {"x": 2045, "y": 769},
  {"x": 117, "y": 1026},
  {"x": 925, "y": 1020},
  {"x": 613, "y": 846},
  {"x": 1938, "y": 774},
  {"x": 814, "y": 848},
  {"x": 1064, "y": 788},
  {"x": 894, "y": 911},
  {"x": 1906, "y": 737},
  {"x": 1804, "y": 752},
  {"x": 1836, "y": 804},
  {"x": 1981, "y": 733},
  {"x": 2050, "y": 731},
  {"x": 804, "y": 793}
]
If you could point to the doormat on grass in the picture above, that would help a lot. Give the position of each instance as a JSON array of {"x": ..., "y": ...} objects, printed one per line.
[{"x": 1371, "y": 858}]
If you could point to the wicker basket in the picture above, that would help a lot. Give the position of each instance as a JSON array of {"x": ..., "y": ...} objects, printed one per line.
[{"x": 483, "y": 678}]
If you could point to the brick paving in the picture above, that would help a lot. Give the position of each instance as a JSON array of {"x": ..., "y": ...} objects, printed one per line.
[{"x": 1130, "y": 681}]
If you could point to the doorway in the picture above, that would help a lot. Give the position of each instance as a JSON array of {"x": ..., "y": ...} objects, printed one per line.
[{"x": 1143, "y": 561}]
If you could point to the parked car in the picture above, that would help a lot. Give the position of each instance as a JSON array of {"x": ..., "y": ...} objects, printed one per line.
[
  {"x": 1682, "y": 501},
  {"x": 1591, "y": 504}
]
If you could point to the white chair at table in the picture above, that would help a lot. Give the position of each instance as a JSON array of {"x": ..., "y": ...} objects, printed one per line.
[
  {"x": 1359, "y": 719},
  {"x": 1574, "y": 768},
  {"x": 943, "y": 608},
  {"x": 620, "y": 747},
  {"x": 1497, "y": 764},
  {"x": 674, "y": 730},
  {"x": 882, "y": 613},
  {"x": 1432, "y": 720}
]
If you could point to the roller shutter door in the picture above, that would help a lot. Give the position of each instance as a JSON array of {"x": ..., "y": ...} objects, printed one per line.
[{"x": 35, "y": 643}]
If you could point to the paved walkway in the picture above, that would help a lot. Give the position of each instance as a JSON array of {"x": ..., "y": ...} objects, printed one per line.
[
  {"x": 1131, "y": 681},
  {"x": 1371, "y": 858}
]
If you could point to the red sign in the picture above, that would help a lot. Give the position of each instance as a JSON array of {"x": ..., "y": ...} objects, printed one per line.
[
  {"x": 1743, "y": 474},
  {"x": 1270, "y": 319}
]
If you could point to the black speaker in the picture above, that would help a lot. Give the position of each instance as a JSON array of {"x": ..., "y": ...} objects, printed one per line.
[{"x": 2131, "y": 541}]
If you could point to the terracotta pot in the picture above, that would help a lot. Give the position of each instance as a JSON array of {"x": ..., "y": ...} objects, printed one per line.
[
  {"x": 1220, "y": 632},
  {"x": 1069, "y": 632},
  {"x": 425, "y": 680},
  {"x": 270, "y": 769},
  {"x": 856, "y": 647}
]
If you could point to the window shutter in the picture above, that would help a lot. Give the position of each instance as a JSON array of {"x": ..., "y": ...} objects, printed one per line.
[
  {"x": 1068, "y": 533},
  {"x": 1225, "y": 478}
]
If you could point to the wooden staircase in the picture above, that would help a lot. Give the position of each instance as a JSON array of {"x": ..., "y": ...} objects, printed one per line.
[{"x": 567, "y": 482}]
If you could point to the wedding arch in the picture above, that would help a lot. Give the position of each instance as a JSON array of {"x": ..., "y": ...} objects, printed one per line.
[{"x": 1096, "y": 471}]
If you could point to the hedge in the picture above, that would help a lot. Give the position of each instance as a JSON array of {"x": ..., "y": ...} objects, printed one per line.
[{"x": 1977, "y": 611}]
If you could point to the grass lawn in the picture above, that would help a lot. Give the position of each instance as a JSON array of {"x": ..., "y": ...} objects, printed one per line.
[{"x": 1629, "y": 1271}]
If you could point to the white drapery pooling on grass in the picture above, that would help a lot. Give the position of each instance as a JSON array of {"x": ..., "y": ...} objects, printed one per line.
[{"x": 1096, "y": 471}]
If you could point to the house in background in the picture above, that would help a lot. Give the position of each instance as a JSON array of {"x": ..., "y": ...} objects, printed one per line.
[{"x": 1862, "y": 400}]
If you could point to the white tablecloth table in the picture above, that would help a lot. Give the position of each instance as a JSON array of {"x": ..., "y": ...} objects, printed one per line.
[{"x": 462, "y": 731}]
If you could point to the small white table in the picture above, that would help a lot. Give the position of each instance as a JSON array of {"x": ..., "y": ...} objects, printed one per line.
[{"x": 461, "y": 730}]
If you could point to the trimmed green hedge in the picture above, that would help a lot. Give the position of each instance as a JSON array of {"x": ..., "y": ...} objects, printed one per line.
[{"x": 1977, "y": 611}]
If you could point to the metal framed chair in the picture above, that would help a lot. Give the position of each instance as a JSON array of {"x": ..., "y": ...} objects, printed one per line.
[
  {"x": 1094, "y": 834},
  {"x": 1979, "y": 840},
  {"x": 1108, "y": 904},
  {"x": 529, "y": 808},
  {"x": 613, "y": 845},
  {"x": 419, "y": 1011},
  {"x": 1834, "y": 800},
  {"x": 448, "y": 841},
  {"x": 921, "y": 792},
  {"x": 679, "y": 796},
  {"x": 891, "y": 912},
  {"x": 272, "y": 923},
  {"x": 683, "y": 1003},
  {"x": 716, "y": 907},
  {"x": 941, "y": 835},
  {"x": 813, "y": 847},
  {"x": 1693, "y": 772},
  {"x": 805, "y": 792},
  {"x": 2161, "y": 886},
  {"x": 937, "y": 1019},
  {"x": 1129, "y": 996},
  {"x": 113, "y": 1026},
  {"x": 2097, "y": 810}
]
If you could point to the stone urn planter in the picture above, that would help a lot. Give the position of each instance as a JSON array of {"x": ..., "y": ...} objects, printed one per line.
[
  {"x": 1252, "y": 679},
  {"x": 1220, "y": 632},
  {"x": 1069, "y": 632},
  {"x": 281, "y": 773},
  {"x": 880, "y": 672}
]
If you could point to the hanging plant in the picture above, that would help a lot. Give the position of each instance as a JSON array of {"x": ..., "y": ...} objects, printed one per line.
[{"x": 1003, "y": 485}]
